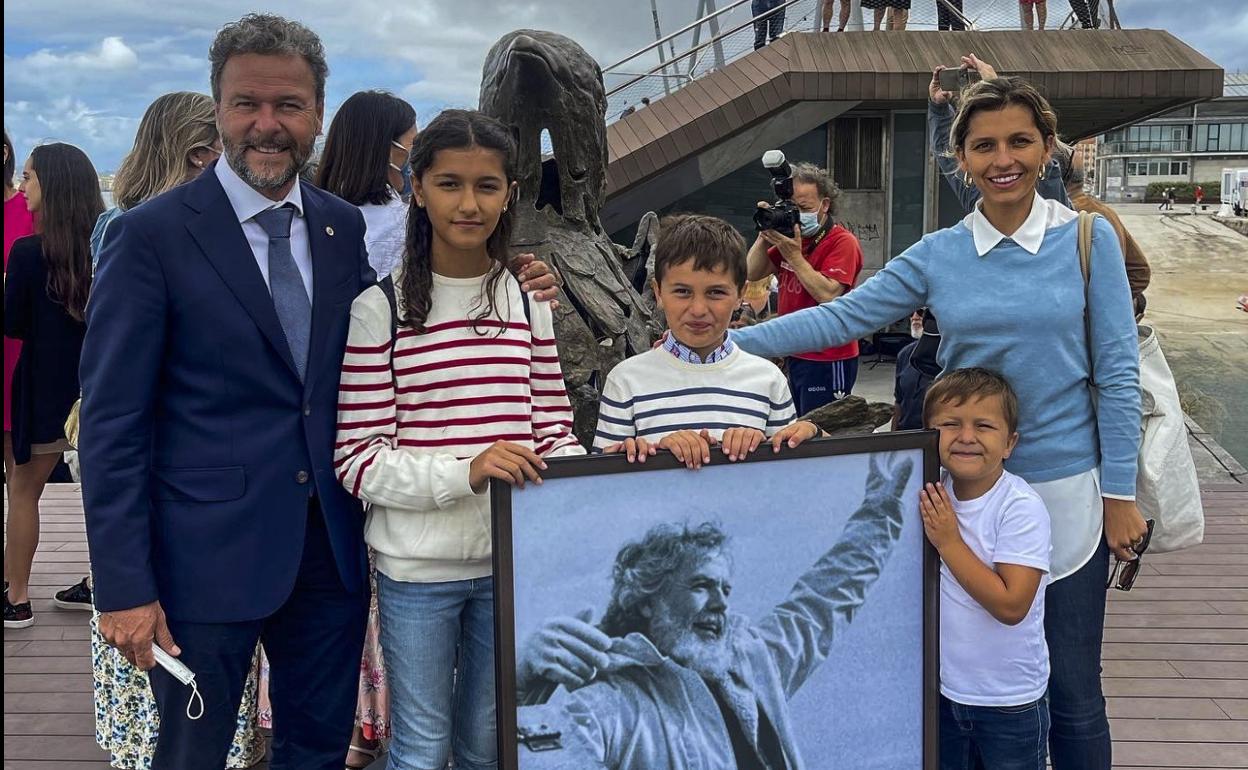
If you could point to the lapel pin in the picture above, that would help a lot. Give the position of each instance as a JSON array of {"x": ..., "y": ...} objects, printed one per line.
[{"x": 329, "y": 231}]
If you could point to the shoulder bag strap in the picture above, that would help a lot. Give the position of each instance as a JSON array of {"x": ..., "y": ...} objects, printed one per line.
[
  {"x": 387, "y": 288},
  {"x": 1086, "y": 220}
]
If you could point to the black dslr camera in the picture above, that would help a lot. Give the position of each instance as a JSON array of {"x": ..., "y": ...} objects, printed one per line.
[{"x": 783, "y": 215}]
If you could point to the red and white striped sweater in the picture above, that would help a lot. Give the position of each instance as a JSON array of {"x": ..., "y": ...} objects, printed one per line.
[{"x": 459, "y": 390}]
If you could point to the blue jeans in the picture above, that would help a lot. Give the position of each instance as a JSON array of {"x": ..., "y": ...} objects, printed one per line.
[
  {"x": 993, "y": 737},
  {"x": 439, "y": 645},
  {"x": 770, "y": 27},
  {"x": 1074, "y": 623}
]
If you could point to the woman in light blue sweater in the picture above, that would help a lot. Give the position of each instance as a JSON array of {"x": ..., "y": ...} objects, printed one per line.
[{"x": 1007, "y": 287}]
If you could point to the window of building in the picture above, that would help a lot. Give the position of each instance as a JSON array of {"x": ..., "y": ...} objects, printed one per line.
[
  {"x": 1157, "y": 167},
  {"x": 1222, "y": 137},
  {"x": 858, "y": 152}
]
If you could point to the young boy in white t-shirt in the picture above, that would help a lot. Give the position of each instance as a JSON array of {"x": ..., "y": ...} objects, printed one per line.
[{"x": 992, "y": 532}]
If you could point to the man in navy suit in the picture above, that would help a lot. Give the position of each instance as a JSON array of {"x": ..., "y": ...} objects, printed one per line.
[{"x": 216, "y": 331}]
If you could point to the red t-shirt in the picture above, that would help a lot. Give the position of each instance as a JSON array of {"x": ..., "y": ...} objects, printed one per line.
[{"x": 839, "y": 257}]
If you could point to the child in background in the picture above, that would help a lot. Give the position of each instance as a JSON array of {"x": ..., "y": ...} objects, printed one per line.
[
  {"x": 468, "y": 390},
  {"x": 697, "y": 389},
  {"x": 992, "y": 532}
]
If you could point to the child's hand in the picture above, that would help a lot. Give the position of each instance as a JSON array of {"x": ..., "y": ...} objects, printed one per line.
[
  {"x": 739, "y": 442},
  {"x": 635, "y": 449},
  {"x": 505, "y": 461},
  {"x": 939, "y": 521},
  {"x": 794, "y": 434},
  {"x": 690, "y": 447}
]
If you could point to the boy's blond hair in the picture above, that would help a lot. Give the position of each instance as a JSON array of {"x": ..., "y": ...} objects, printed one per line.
[{"x": 961, "y": 385}]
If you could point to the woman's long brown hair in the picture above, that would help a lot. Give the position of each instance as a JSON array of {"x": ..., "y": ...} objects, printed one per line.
[{"x": 69, "y": 191}]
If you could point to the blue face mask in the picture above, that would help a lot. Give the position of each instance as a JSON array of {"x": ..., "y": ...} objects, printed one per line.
[
  {"x": 405, "y": 171},
  {"x": 809, "y": 223}
]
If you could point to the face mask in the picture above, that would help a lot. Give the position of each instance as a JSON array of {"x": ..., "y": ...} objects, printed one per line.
[
  {"x": 809, "y": 223},
  {"x": 405, "y": 171}
]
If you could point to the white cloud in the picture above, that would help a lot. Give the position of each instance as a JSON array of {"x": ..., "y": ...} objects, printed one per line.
[
  {"x": 112, "y": 54},
  {"x": 110, "y": 58}
]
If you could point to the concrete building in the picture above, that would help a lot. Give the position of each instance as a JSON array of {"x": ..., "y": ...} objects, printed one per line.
[
  {"x": 1189, "y": 145},
  {"x": 857, "y": 104}
]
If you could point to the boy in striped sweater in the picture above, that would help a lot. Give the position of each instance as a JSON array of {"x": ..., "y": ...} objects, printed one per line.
[{"x": 697, "y": 390}]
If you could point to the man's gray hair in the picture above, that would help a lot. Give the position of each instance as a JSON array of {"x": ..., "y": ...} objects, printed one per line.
[
  {"x": 821, "y": 178},
  {"x": 267, "y": 35},
  {"x": 644, "y": 568}
]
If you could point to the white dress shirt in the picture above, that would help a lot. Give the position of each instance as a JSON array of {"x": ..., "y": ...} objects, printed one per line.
[
  {"x": 247, "y": 202},
  {"x": 1045, "y": 214},
  {"x": 385, "y": 233}
]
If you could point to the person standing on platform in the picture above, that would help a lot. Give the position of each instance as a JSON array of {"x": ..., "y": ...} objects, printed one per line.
[
  {"x": 19, "y": 222},
  {"x": 767, "y": 29},
  {"x": 819, "y": 262},
  {"x": 46, "y": 284},
  {"x": 949, "y": 19},
  {"x": 828, "y": 7},
  {"x": 210, "y": 371},
  {"x": 1088, "y": 12},
  {"x": 1079, "y": 446},
  {"x": 1033, "y": 14}
]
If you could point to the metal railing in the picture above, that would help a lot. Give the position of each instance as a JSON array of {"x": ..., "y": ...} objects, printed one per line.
[
  {"x": 1127, "y": 147},
  {"x": 652, "y": 72}
]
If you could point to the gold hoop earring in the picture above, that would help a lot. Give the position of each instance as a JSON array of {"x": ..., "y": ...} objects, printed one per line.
[
  {"x": 966, "y": 179},
  {"x": 1043, "y": 170}
]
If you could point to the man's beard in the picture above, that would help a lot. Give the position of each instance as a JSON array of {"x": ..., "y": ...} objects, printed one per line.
[
  {"x": 916, "y": 329},
  {"x": 236, "y": 156},
  {"x": 680, "y": 642}
]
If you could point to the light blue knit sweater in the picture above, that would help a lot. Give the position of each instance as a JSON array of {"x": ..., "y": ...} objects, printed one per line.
[{"x": 1020, "y": 315}]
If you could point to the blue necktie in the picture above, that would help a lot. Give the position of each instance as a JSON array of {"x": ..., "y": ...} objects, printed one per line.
[{"x": 290, "y": 298}]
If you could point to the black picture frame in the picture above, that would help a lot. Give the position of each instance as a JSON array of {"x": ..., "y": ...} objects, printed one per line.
[{"x": 501, "y": 495}]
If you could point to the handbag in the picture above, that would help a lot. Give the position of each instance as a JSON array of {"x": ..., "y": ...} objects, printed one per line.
[
  {"x": 1166, "y": 487},
  {"x": 71, "y": 424}
]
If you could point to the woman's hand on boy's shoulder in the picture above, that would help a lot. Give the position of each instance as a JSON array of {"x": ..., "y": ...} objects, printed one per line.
[
  {"x": 536, "y": 276},
  {"x": 794, "y": 434}
]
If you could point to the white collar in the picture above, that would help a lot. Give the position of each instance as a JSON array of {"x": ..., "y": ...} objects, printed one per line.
[
  {"x": 1045, "y": 214},
  {"x": 246, "y": 200}
]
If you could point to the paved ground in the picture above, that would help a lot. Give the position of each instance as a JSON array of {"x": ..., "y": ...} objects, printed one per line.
[
  {"x": 1176, "y": 648},
  {"x": 1199, "y": 267},
  {"x": 1176, "y": 652}
]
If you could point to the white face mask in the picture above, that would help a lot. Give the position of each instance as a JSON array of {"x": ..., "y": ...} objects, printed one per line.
[{"x": 809, "y": 223}]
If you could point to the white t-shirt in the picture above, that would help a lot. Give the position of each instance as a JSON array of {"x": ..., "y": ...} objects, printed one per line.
[{"x": 984, "y": 662}]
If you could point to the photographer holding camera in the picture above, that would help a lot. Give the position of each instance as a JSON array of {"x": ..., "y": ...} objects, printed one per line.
[{"x": 816, "y": 261}]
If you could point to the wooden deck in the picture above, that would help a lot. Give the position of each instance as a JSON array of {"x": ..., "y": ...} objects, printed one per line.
[{"x": 1176, "y": 652}]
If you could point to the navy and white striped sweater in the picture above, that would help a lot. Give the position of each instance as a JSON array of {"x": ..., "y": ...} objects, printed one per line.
[{"x": 654, "y": 394}]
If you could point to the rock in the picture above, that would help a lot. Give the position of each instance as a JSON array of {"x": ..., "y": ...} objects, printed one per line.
[{"x": 850, "y": 415}]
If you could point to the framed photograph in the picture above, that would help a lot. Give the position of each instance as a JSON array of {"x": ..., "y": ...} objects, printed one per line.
[{"x": 778, "y": 612}]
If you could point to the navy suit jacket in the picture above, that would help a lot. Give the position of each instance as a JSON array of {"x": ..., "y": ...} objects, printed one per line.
[{"x": 199, "y": 446}]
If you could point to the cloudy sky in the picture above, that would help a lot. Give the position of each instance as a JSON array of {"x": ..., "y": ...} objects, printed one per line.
[{"x": 83, "y": 71}]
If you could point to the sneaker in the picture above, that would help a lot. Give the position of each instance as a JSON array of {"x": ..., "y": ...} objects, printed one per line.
[
  {"x": 76, "y": 597},
  {"x": 17, "y": 615}
]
